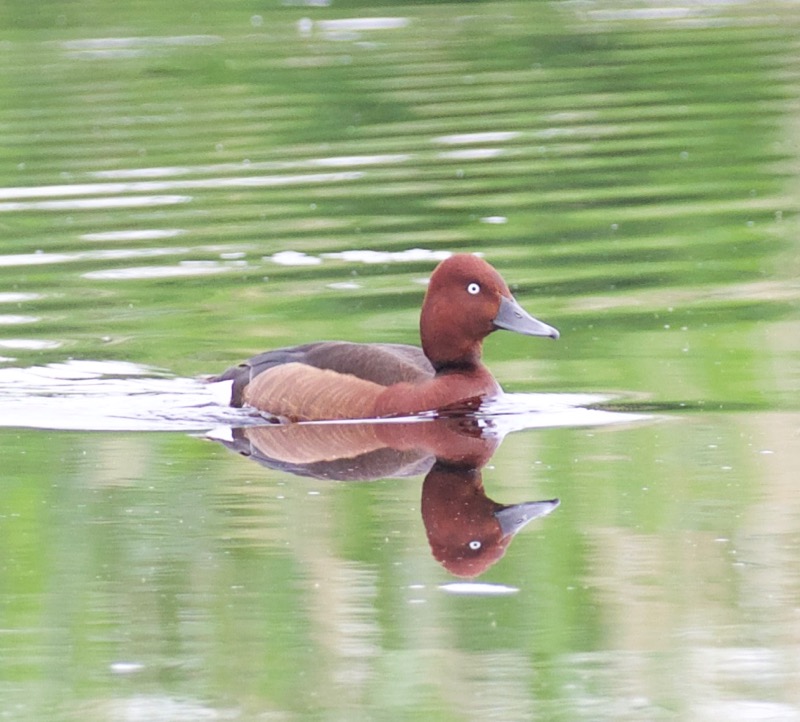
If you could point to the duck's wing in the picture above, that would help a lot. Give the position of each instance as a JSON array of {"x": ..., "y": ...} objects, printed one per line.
[{"x": 381, "y": 363}]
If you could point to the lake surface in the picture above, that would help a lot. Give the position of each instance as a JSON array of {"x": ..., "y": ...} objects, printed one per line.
[{"x": 183, "y": 186}]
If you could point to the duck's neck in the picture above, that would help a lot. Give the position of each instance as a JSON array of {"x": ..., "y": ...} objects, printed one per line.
[
  {"x": 458, "y": 367},
  {"x": 448, "y": 353}
]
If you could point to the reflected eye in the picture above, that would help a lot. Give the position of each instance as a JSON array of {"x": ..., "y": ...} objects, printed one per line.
[
  {"x": 473, "y": 289},
  {"x": 474, "y": 544}
]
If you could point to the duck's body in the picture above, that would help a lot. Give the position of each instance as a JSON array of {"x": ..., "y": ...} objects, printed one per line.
[{"x": 466, "y": 300}]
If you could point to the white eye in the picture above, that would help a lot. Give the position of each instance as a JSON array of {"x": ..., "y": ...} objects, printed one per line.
[
  {"x": 474, "y": 545},
  {"x": 473, "y": 289}
]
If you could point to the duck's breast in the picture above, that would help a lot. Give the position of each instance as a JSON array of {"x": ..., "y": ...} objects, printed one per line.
[{"x": 465, "y": 388}]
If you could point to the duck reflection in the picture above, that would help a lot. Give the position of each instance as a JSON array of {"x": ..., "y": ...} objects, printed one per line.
[{"x": 467, "y": 531}]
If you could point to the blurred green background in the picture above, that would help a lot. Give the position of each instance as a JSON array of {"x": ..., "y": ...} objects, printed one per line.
[{"x": 184, "y": 185}]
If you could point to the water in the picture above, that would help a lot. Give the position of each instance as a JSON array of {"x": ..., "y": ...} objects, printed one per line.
[{"x": 181, "y": 187}]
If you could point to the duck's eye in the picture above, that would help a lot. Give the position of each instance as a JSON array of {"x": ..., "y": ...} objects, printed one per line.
[
  {"x": 473, "y": 289},
  {"x": 474, "y": 544}
]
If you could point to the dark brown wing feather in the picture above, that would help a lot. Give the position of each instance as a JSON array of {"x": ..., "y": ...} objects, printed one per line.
[{"x": 381, "y": 363}]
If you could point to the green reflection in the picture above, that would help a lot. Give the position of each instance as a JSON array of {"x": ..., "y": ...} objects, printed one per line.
[{"x": 634, "y": 182}]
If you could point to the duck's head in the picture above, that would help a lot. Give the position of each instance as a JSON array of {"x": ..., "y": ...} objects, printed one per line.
[{"x": 466, "y": 300}]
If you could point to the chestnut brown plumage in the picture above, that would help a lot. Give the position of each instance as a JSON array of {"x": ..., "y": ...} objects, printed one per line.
[{"x": 466, "y": 300}]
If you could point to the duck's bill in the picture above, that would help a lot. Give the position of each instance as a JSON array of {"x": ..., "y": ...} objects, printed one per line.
[
  {"x": 513, "y": 518},
  {"x": 512, "y": 317}
]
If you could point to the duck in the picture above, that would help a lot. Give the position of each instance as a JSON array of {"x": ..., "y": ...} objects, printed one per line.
[{"x": 466, "y": 300}]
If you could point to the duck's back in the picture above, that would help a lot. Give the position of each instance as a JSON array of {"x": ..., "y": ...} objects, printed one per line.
[{"x": 340, "y": 375}]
